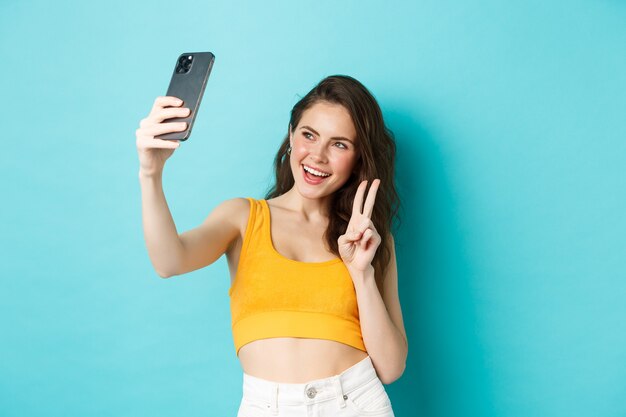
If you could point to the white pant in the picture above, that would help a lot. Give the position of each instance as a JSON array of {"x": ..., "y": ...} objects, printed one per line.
[{"x": 357, "y": 391}]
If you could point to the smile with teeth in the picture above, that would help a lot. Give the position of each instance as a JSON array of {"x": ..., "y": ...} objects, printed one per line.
[{"x": 315, "y": 172}]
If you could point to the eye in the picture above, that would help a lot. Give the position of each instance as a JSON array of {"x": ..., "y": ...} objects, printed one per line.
[
  {"x": 307, "y": 133},
  {"x": 343, "y": 146}
]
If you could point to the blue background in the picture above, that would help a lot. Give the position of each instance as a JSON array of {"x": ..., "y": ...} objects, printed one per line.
[{"x": 509, "y": 118}]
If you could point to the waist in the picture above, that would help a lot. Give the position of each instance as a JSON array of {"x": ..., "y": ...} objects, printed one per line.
[
  {"x": 321, "y": 389},
  {"x": 297, "y": 360}
]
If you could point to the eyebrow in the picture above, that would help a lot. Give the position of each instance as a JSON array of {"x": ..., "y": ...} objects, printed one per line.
[{"x": 336, "y": 137}]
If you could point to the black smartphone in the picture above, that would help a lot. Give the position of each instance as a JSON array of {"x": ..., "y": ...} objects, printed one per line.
[{"x": 188, "y": 82}]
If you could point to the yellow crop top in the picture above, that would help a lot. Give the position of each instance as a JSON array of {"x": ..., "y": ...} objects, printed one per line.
[{"x": 274, "y": 296}]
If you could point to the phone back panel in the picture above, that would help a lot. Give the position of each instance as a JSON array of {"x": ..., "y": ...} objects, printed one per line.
[{"x": 189, "y": 87}]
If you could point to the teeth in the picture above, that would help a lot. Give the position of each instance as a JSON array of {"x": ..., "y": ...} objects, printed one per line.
[{"x": 315, "y": 172}]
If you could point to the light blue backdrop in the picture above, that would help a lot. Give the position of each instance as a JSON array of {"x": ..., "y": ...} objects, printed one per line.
[{"x": 509, "y": 118}]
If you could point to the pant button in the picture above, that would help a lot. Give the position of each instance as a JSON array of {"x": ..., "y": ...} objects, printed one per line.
[{"x": 311, "y": 392}]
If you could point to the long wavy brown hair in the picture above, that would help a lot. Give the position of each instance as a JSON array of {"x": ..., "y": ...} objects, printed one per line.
[{"x": 376, "y": 150}]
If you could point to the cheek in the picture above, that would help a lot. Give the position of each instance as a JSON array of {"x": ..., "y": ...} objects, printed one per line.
[
  {"x": 299, "y": 148},
  {"x": 345, "y": 162}
]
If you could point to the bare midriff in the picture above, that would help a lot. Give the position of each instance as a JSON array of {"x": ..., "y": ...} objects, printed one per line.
[{"x": 297, "y": 360}]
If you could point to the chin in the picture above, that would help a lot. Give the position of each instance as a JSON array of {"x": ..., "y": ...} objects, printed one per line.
[{"x": 306, "y": 190}]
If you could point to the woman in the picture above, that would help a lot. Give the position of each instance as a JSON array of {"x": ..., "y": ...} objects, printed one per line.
[{"x": 316, "y": 316}]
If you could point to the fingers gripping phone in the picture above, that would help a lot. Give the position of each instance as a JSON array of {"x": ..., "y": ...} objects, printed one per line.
[{"x": 188, "y": 82}]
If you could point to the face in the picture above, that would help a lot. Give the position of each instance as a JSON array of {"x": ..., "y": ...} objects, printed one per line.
[{"x": 323, "y": 152}]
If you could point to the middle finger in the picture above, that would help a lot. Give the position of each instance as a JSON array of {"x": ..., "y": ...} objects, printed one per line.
[
  {"x": 371, "y": 197},
  {"x": 169, "y": 112},
  {"x": 163, "y": 128}
]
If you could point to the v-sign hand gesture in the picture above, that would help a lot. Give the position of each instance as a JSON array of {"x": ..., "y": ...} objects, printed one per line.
[{"x": 358, "y": 245}]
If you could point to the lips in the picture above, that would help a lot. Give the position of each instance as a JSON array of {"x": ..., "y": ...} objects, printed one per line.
[
  {"x": 312, "y": 168},
  {"x": 312, "y": 179}
]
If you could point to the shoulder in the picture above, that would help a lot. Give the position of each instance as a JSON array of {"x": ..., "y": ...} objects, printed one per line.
[
  {"x": 237, "y": 203},
  {"x": 229, "y": 213},
  {"x": 235, "y": 209}
]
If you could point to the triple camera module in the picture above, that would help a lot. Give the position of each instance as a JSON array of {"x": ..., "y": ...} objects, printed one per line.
[{"x": 184, "y": 63}]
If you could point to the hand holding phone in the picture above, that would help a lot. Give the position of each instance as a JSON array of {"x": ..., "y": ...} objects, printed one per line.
[
  {"x": 187, "y": 84},
  {"x": 154, "y": 152}
]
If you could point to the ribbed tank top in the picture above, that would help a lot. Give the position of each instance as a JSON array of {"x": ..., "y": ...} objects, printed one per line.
[{"x": 274, "y": 296}]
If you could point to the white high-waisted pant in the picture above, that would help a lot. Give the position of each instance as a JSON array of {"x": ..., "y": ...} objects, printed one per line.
[{"x": 357, "y": 391}]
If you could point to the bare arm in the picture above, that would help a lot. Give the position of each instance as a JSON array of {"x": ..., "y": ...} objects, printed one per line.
[
  {"x": 220, "y": 230},
  {"x": 171, "y": 253},
  {"x": 165, "y": 248},
  {"x": 382, "y": 326},
  {"x": 381, "y": 321},
  {"x": 174, "y": 254}
]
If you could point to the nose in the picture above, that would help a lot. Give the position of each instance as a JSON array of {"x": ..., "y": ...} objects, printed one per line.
[{"x": 318, "y": 152}]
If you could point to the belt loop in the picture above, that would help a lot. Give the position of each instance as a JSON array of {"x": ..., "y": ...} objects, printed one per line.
[
  {"x": 274, "y": 399},
  {"x": 340, "y": 396}
]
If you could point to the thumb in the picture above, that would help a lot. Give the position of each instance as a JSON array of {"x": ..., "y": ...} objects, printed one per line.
[
  {"x": 354, "y": 235},
  {"x": 349, "y": 237}
]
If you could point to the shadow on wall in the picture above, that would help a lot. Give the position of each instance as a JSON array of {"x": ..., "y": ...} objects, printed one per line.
[{"x": 447, "y": 373}]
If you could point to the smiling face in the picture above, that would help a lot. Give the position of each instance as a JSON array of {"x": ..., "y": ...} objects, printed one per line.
[{"x": 324, "y": 150}]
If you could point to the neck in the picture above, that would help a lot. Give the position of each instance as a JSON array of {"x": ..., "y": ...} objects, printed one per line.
[{"x": 309, "y": 208}]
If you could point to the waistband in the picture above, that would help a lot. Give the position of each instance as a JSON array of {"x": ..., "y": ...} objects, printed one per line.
[{"x": 337, "y": 386}]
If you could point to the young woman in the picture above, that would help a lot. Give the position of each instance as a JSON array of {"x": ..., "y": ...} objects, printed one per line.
[{"x": 316, "y": 316}]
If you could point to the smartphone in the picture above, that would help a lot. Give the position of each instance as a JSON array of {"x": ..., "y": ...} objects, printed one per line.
[{"x": 188, "y": 82}]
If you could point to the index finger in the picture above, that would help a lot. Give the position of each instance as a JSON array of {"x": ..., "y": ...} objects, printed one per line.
[
  {"x": 164, "y": 101},
  {"x": 371, "y": 197},
  {"x": 358, "y": 198}
]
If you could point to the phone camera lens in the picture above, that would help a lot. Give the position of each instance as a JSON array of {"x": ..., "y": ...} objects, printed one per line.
[{"x": 184, "y": 63}]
